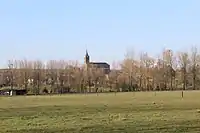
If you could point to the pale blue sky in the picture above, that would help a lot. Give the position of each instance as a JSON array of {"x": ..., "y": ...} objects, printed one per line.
[{"x": 62, "y": 29}]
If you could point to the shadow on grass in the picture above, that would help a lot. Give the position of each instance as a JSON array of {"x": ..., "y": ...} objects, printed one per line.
[
  {"x": 91, "y": 109},
  {"x": 180, "y": 128}
]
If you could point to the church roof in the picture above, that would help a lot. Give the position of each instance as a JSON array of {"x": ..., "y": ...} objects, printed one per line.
[{"x": 100, "y": 64}]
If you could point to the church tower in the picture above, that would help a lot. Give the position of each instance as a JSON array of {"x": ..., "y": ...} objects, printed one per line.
[{"x": 87, "y": 58}]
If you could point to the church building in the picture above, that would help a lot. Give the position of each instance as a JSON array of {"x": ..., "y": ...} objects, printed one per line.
[{"x": 101, "y": 65}]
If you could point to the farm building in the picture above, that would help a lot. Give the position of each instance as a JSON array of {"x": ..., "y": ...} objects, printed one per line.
[{"x": 12, "y": 92}]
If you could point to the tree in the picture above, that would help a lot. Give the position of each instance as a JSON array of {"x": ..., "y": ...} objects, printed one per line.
[
  {"x": 169, "y": 62},
  {"x": 194, "y": 65},
  {"x": 38, "y": 68},
  {"x": 113, "y": 79},
  {"x": 129, "y": 67},
  {"x": 148, "y": 64},
  {"x": 183, "y": 63},
  {"x": 11, "y": 75}
]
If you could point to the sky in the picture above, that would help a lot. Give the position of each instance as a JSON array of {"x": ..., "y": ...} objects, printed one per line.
[{"x": 64, "y": 29}]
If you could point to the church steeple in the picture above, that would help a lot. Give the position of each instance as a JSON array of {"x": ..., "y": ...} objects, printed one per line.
[{"x": 87, "y": 57}]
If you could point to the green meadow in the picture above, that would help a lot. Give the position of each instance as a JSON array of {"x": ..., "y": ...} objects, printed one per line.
[{"x": 133, "y": 112}]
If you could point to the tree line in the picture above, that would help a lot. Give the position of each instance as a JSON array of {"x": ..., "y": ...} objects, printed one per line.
[{"x": 170, "y": 71}]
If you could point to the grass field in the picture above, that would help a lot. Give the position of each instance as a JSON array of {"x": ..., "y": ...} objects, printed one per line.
[{"x": 141, "y": 112}]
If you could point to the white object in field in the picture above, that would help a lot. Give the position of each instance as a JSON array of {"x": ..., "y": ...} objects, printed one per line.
[
  {"x": 12, "y": 93},
  {"x": 6, "y": 93}
]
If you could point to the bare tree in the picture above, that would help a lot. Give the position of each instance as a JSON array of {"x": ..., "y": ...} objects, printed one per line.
[
  {"x": 183, "y": 63},
  {"x": 128, "y": 67},
  {"x": 37, "y": 75},
  {"x": 169, "y": 63},
  {"x": 148, "y": 63},
  {"x": 194, "y": 65},
  {"x": 11, "y": 77}
]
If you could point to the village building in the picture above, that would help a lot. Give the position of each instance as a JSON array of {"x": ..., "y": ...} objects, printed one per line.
[{"x": 99, "y": 65}]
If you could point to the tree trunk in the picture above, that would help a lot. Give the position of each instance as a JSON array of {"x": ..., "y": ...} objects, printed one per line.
[
  {"x": 184, "y": 79},
  {"x": 38, "y": 83},
  {"x": 171, "y": 83},
  {"x": 25, "y": 78},
  {"x": 194, "y": 78},
  {"x": 194, "y": 81}
]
